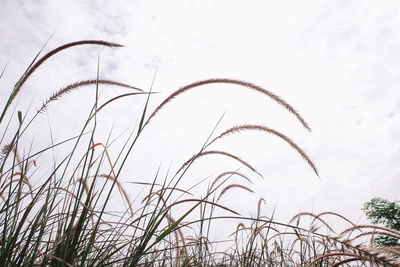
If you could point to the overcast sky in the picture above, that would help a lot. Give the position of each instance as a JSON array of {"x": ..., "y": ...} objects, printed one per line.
[{"x": 336, "y": 62}]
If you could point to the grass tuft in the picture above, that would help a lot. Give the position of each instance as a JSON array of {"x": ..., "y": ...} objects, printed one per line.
[{"x": 76, "y": 209}]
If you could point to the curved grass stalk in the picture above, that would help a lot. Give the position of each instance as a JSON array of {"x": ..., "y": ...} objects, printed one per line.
[
  {"x": 32, "y": 68},
  {"x": 235, "y": 82},
  {"x": 253, "y": 127}
]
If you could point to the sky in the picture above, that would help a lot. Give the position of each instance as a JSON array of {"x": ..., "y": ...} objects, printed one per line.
[{"x": 335, "y": 62}]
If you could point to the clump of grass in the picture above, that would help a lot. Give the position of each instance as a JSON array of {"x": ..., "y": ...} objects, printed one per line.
[{"x": 66, "y": 217}]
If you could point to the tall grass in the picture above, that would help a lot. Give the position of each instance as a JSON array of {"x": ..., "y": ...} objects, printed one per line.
[{"x": 67, "y": 217}]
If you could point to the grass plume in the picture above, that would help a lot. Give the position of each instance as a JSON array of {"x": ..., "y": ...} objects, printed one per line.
[
  {"x": 251, "y": 127},
  {"x": 69, "y": 88},
  {"x": 229, "y": 187},
  {"x": 235, "y": 82},
  {"x": 216, "y": 152}
]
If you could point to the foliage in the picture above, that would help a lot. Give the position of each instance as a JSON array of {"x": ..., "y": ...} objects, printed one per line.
[{"x": 382, "y": 211}]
